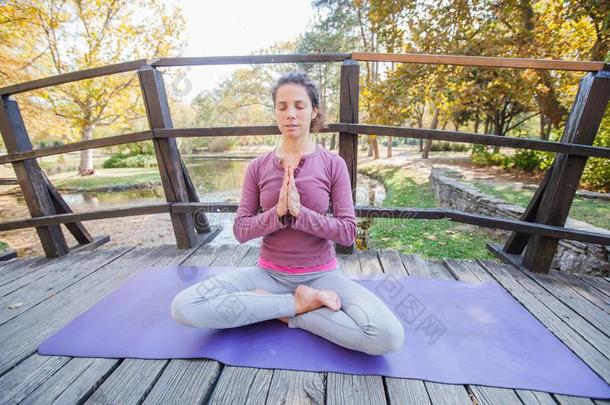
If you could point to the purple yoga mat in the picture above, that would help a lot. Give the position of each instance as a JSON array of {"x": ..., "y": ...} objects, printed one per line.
[{"x": 455, "y": 332}]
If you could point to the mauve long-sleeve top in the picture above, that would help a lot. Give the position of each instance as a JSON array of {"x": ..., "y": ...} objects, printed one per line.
[{"x": 305, "y": 242}]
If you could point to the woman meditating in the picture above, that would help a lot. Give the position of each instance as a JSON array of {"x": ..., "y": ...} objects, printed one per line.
[{"x": 297, "y": 279}]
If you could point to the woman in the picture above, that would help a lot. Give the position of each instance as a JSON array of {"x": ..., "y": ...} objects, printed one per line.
[{"x": 297, "y": 279}]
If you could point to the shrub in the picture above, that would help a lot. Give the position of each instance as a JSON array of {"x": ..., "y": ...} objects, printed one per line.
[
  {"x": 448, "y": 147},
  {"x": 222, "y": 144},
  {"x": 482, "y": 157},
  {"x": 120, "y": 160},
  {"x": 528, "y": 160}
]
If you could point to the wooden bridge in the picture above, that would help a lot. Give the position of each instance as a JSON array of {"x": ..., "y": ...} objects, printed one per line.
[{"x": 41, "y": 295}]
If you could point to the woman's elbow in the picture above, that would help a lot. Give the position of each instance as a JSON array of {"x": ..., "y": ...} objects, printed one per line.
[
  {"x": 238, "y": 233},
  {"x": 349, "y": 237}
]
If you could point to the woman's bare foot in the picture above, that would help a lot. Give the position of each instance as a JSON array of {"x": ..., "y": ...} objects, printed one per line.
[{"x": 307, "y": 299}]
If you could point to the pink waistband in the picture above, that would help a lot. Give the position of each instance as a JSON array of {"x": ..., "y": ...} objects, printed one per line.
[{"x": 297, "y": 270}]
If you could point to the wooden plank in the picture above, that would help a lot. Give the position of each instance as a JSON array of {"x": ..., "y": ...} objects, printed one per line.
[
  {"x": 145, "y": 209},
  {"x": 349, "y": 94},
  {"x": 462, "y": 270},
  {"x": 80, "y": 377},
  {"x": 361, "y": 211},
  {"x": 21, "y": 335},
  {"x": 599, "y": 283},
  {"x": 168, "y": 156},
  {"x": 561, "y": 290},
  {"x": 185, "y": 382},
  {"x": 595, "y": 334},
  {"x": 493, "y": 140},
  {"x": 451, "y": 394},
  {"x": 357, "y": 389},
  {"x": 75, "y": 76},
  {"x": 200, "y": 220},
  {"x": 20, "y": 267},
  {"x": 129, "y": 383},
  {"x": 286, "y": 386},
  {"x": 73, "y": 382},
  {"x": 28, "y": 173},
  {"x": 244, "y": 130},
  {"x": 77, "y": 229},
  {"x": 572, "y": 318},
  {"x": 192, "y": 381},
  {"x": 568, "y": 332},
  {"x": 8, "y": 255},
  {"x": 296, "y": 387},
  {"x": 583, "y": 288},
  {"x": 533, "y": 228},
  {"x": 32, "y": 291},
  {"x": 581, "y": 128},
  {"x": 233, "y": 380},
  {"x": 251, "y": 130},
  {"x": 481, "y": 61},
  {"x": 252, "y": 59},
  {"x": 472, "y": 269},
  {"x": 439, "y": 393},
  {"x": 77, "y": 146},
  {"x": 97, "y": 242},
  {"x": 403, "y": 390},
  {"x": 26, "y": 377}
]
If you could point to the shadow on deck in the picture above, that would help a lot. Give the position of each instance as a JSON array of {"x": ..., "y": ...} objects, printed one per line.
[{"x": 39, "y": 296}]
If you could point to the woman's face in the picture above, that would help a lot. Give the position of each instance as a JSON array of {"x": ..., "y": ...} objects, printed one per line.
[{"x": 293, "y": 110}]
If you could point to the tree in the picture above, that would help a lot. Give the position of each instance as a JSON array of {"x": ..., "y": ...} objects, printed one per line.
[
  {"x": 20, "y": 50},
  {"x": 83, "y": 34}
]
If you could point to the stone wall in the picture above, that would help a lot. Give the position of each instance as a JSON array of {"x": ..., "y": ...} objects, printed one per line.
[{"x": 571, "y": 256}]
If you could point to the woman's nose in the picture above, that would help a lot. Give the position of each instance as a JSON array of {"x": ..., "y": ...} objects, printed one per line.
[{"x": 291, "y": 111}]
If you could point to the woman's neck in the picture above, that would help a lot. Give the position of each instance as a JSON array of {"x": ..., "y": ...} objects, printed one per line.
[{"x": 296, "y": 147}]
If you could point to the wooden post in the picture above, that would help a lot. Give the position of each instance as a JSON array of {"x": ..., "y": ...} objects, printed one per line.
[
  {"x": 30, "y": 177},
  {"x": 518, "y": 240},
  {"x": 581, "y": 127},
  {"x": 168, "y": 157},
  {"x": 201, "y": 220},
  {"x": 348, "y": 113}
]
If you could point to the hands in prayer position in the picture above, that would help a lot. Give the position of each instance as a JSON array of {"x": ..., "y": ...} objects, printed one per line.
[{"x": 289, "y": 199}]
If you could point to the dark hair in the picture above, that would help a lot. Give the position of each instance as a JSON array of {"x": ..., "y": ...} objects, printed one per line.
[{"x": 312, "y": 91}]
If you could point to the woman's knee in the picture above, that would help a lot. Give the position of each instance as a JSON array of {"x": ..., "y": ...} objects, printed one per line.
[
  {"x": 388, "y": 339},
  {"x": 181, "y": 309},
  {"x": 189, "y": 306}
]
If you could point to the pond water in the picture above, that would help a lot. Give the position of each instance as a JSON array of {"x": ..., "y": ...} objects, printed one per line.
[{"x": 216, "y": 180}]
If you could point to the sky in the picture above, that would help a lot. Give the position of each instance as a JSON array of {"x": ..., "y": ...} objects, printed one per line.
[{"x": 235, "y": 27}]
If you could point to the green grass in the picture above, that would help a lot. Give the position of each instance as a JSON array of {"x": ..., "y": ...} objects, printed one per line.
[
  {"x": 3, "y": 246},
  {"x": 429, "y": 238},
  {"x": 109, "y": 178},
  {"x": 594, "y": 212}
]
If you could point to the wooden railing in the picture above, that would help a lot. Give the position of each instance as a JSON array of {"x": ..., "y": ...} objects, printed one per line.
[{"x": 535, "y": 236}]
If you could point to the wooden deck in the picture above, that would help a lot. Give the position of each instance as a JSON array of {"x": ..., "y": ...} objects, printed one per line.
[{"x": 39, "y": 296}]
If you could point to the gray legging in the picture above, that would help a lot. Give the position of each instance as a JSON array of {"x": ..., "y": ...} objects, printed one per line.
[{"x": 225, "y": 300}]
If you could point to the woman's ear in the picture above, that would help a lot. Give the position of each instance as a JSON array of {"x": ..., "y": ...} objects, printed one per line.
[{"x": 314, "y": 113}]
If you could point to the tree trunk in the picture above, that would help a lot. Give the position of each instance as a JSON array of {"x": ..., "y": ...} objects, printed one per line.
[
  {"x": 86, "y": 156},
  {"x": 373, "y": 150},
  {"x": 428, "y": 143},
  {"x": 333, "y": 141},
  {"x": 389, "y": 146},
  {"x": 373, "y": 147},
  {"x": 497, "y": 129}
]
